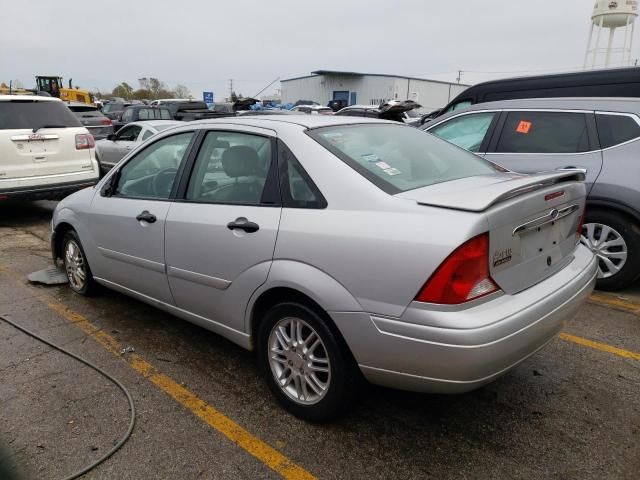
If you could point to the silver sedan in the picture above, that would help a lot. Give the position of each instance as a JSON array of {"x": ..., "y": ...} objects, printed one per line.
[
  {"x": 116, "y": 146},
  {"x": 337, "y": 247}
]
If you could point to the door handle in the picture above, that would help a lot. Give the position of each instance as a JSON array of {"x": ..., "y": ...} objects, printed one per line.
[
  {"x": 572, "y": 169},
  {"x": 242, "y": 223},
  {"x": 146, "y": 217}
]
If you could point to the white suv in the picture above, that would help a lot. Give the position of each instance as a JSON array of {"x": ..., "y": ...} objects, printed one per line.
[{"x": 45, "y": 152}]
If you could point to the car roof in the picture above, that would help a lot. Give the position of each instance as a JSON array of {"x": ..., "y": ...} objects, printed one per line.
[
  {"x": 155, "y": 123},
  {"x": 364, "y": 107},
  {"x": 273, "y": 121},
  {"x": 317, "y": 107},
  {"x": 578, "y": 103},
  {"x": 34, "y": 98}
]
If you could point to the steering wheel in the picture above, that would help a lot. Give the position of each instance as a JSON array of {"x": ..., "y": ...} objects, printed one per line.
[{"x": 162, "y": 182}]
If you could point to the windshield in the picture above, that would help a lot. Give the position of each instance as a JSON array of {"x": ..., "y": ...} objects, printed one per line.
[
  {"x": 16, "y": 114},
  {"x": 399, "y": 158}
]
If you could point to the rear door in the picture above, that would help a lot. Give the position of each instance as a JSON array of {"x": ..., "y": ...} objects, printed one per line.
[
  {"x": 221, "y": 235},
  {"x": 529, "y": 141},
  {"x": 128, "y": 223},
  {"x": 38, "y": 137}
]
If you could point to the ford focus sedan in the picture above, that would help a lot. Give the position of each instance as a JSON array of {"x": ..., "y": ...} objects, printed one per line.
[{"x": 337, "y": 248}]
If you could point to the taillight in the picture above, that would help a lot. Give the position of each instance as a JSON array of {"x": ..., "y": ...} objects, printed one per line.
[
  {"x": 580, "y": 225},
  {"x": 105, "y": 121},
  {"x": 84, "y": 141},
  {"x": 463, "y": 276}
]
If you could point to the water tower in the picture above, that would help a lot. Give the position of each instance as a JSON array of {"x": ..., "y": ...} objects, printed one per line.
[{"x": 612, "y": 15}]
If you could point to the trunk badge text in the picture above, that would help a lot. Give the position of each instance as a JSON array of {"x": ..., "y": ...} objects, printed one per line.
[{"x": 501, "y": 257}]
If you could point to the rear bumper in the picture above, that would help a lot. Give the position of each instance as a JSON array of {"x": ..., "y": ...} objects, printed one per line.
[
  {"x": 432, "y": 349},
  {"x": 54, "y": 191}
]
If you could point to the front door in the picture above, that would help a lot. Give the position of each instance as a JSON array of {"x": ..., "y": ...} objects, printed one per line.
[
  {"x": 221, "y": 235},
  {"x": 128, "y": 225},
  {"x": 112, "y": 151},
  {"x": 537, "y": 141}
]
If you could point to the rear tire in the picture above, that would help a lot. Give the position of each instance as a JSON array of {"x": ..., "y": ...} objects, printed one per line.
[
  {"x": 615, "y": 239},
  {"x": 306, "y": 365},
  {"x": 76, "y": 265}
]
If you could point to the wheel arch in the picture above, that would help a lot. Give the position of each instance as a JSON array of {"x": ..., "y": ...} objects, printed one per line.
[
  {"x": 295, "y": 281},
  {"x": 602, "y": 204}
]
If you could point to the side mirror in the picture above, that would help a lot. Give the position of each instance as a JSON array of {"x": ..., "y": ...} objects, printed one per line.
[
  {"x": 112, "y": 137},
  {"x": 108, "y": 189}
]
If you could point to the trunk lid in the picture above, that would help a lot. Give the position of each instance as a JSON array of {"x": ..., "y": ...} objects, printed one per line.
[{"x": 531, "y": 220}]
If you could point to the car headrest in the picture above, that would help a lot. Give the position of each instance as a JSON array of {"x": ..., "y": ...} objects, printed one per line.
[{"x": 240, "y": 161}]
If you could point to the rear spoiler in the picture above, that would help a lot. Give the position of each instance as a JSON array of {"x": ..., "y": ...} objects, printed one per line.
[{"x": 478, "y": 193}]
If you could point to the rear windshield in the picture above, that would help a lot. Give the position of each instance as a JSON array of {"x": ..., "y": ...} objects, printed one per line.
[
  {"x": 16, "y": 114},
  {"x": 154, "y": 114},
  {"x": 398, "y": 158}
]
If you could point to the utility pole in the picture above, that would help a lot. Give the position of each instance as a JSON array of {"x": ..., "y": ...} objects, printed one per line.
[
  {"x": 230, "y": 88},
  {"x": 459, "y": 75}
]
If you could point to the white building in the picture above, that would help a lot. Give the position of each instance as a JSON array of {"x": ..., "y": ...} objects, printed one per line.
[{"x": 368, "y": 89}]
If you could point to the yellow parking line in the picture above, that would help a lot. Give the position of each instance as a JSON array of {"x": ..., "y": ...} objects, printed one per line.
[
  {"x": 603, "y": 347},
  {"x": 615, "y": 302},
  {"x": 211, "y": 416}
]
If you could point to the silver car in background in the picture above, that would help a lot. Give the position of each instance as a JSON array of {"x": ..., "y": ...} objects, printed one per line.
[
  {"x": 337, "y": 247},
  {"x": 112, "y": 149},
  {"x": 600, "y": 136}
]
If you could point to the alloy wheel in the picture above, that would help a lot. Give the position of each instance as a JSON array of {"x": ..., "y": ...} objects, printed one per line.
[
  {"x": 608, "y": 245},
  {"x": 299, "y": 361},
  {"x": 75, "y": 265}
]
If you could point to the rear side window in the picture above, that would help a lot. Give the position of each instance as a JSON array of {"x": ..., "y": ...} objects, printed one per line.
[
  {"x": 154, "y": 114},
  {"x": 467, "y": 131},
  {"x": 616, "y": 129},
  {"x": 35, "y": 114},
  {"x": 544, "y": 132},
  {"x": 398, "y": 158},
  {"x": 296, "y": 187}
]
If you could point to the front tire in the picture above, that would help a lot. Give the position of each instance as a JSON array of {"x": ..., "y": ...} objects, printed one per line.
[
  {"x": 76, "y": 265},
  {"x": 306, "y": 365},
  {"x": 615, "y": 239}
]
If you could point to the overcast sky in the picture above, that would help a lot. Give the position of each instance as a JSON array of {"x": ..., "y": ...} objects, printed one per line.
[{"x": 202, "y": 44}]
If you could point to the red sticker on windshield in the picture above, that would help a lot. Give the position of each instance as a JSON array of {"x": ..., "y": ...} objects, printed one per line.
[{"x": 523, "y": 127}]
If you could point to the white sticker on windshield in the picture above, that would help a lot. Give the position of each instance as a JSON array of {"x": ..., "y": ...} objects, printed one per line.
[
  {"x": 392, "y": 171},
  {"x": 370, "y": 157},
  {"x": 383, "y": 165}
]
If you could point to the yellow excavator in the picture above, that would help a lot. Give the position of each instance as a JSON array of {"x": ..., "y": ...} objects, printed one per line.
[{"x": 53, "y": 86}]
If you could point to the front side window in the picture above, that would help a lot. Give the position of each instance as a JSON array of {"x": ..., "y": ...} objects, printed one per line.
[
  {"x": 397, "y": 158},
  {"x": 616, "y": 129},
  {"x": 152, "y": 172},
  {"x": 129, "y": 134},
  {"x": 544, "y": 132},
  {"x": 467, "y": 131},
  {"x": 231, "y": 168},
  {"x": 147, "y": 133}
]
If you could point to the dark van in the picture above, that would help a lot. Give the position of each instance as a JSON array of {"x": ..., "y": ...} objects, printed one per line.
[{"x": 616, "y": 82}]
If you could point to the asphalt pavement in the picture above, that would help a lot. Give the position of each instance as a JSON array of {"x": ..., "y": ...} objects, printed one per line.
[{"x": 571, "y": 411}]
